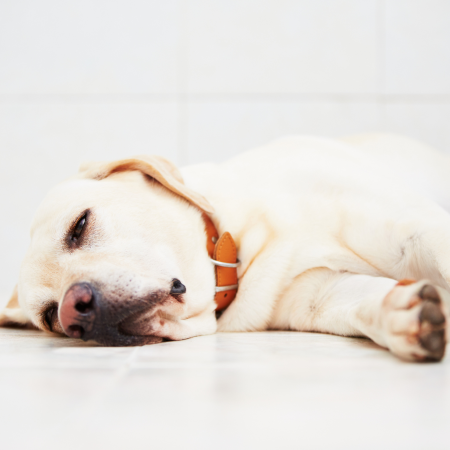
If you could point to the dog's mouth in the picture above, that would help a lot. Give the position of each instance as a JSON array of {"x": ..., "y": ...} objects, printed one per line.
[
  {"x": 142, "y": 323},
  {"x": 134, "y": 330},
  {"x": 86, "y": 315},
  {"x": 137, "y": 329}
]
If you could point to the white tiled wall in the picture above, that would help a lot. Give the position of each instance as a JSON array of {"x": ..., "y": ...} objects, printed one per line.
[
  {"x": 417, "y": 50},
  {"x": 287, "y": 46},
  {"x": 198, "y": 80},
  {"x": 223, "y": 128}
]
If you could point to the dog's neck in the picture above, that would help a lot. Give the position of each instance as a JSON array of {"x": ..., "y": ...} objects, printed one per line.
[{"x": 223, "y": 253}]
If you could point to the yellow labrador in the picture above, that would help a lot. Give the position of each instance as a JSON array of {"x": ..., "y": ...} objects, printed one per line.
[{"x": 324, "y": 230}]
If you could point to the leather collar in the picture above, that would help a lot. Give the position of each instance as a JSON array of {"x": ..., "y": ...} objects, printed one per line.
[{"x": 223, "y": 254}]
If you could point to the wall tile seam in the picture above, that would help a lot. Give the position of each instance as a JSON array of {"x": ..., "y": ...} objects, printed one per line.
[{"x": 219, "y": 97}]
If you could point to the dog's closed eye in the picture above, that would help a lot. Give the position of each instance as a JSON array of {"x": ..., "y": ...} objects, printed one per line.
[{"x": 77, "y": 230}]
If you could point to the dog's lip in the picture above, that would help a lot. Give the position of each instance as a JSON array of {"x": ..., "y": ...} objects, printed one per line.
[
  {"x": 147, "y": 321},
  {"x": 125, "y": 340}
]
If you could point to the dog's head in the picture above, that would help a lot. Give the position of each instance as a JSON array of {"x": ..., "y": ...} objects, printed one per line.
[{"x": 118, "y": 255}]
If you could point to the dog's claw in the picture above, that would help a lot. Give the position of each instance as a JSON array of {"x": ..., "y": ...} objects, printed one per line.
[
  {"x": 432, "y": 323},
  {"x": 434, "y": 343},
  {"x": 429, "y": 292},
  {"x": 432, "y": 313}
]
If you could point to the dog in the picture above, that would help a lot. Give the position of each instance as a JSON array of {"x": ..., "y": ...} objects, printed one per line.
[{"x": 346, "y": 236}]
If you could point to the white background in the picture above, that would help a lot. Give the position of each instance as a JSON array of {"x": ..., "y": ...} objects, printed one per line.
[{"x": 197, "y": 80}]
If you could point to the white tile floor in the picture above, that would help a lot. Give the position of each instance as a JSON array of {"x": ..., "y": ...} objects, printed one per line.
[{"x": 276, "y": 390}]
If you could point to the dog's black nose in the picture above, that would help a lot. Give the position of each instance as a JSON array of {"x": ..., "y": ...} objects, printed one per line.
[{"x": 77, "y": 312}]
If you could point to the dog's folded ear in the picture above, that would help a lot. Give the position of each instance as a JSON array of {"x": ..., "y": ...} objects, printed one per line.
[
  {"x": 156, "y": 167},
  {"x": 13, "y": 315}
]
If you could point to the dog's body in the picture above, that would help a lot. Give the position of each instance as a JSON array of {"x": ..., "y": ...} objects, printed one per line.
[{"x": 324, "y": 230}]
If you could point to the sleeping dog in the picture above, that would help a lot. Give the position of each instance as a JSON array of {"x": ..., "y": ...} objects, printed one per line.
[{"x": 350, "y": 237}]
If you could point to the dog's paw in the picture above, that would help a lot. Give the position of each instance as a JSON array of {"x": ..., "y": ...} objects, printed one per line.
[{"x": 415, "y": 318}]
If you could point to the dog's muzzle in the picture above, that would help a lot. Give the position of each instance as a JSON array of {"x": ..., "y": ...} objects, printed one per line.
[{"x": 85, "y": 314}]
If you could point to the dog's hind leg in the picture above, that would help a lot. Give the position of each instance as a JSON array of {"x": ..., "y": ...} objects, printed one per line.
[{"x": 410, "y": 320}]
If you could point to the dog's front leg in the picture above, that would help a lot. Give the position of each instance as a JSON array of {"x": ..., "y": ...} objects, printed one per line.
[
  {"x": 259, "y": 289},
  {"x": 409, "y": 320}
]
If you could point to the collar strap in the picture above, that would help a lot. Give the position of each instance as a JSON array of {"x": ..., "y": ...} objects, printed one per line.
[{"x": 223, "y": 254}]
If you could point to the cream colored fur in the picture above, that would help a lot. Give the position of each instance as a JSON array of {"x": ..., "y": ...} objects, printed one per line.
[{"x": 324, "y": 229}]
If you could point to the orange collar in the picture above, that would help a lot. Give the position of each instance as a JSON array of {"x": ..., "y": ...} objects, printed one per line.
[{"x": 223, "y": 254}]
